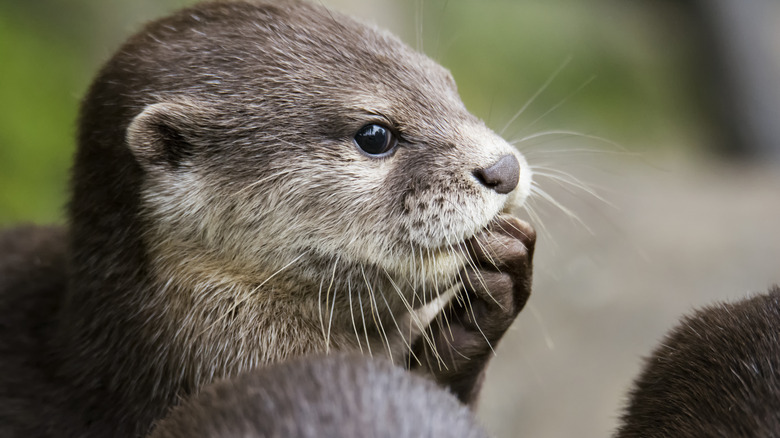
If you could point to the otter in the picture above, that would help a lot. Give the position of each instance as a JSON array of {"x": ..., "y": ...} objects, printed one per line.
[
  {"x": 256, "y": 182},
  {"x": 338, "y": 395},
  {"x": 717, "y": 374}
]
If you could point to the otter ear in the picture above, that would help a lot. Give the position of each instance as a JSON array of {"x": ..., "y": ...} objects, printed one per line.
[{"x": 165, "y": 134}]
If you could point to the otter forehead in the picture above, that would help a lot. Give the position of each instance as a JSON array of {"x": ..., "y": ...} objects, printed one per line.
[{"x": 297, "y": 60}]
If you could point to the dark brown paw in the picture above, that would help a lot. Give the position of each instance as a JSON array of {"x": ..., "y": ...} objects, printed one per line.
[{"x": 497, "y": 284}]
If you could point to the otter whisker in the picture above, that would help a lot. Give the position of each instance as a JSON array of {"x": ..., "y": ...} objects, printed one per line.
[
  {"x": 330, "y": 323},
  {"x": 621, "y": 150},
  {"x": 536, "y": 190},
  {"x": 561, "y": 102},
  {"x": 413, "y": 282},
  {"x": 467, "y": 281},
  {"x": 472, "y": 264},
  {"x": 486, "y": 251},
  {"x": 363, "y": 318},
  {"x": 481, "y": 279},
  {"x": 565, "y": 179},
  {"x": 414, "y": 318},
  {"x": 327, "y": 301},
  {"x": 453, "y": 284},
  {"x": 423, "y": 276},
  {"x": 545, "y": 332},
  {"x": 242, "y": 191},
  {"x": 516, "y": 229},
  {"x": 435, "y": 272},
  {"x": 398, "y": 327},
  {"x": 464, "y": 299},
  {"x": 535, "y": 95},
  {"x": 352, "y": 314},
  {"x": 451, "y": 292},
  {"x": 443, "y": 304},
  {"x": 452, "y": 348},
  {"x": 534, "y": 153},
  {"x": 529, "y": 208},
  {"x": 375, "y": 311},
  {"x": 443, "y": 313},
  {"x": 438, "y": 292},
  {"x": 239, "y": 302},
  {"x": 319, "y": 308},
  {"x": 474, "y": 319}
]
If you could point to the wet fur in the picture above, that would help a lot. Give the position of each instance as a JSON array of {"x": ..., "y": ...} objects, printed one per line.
[{"x": 221, "y": 220}]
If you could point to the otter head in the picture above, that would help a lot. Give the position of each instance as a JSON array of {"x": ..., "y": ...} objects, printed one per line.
[{"x": 268, "y": 136}]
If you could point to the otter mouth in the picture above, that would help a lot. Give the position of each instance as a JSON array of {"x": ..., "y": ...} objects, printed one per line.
[
  {"x": 503, "y": 223},
  {"x": 502, "y": 220},
  {"x": 492, "y": 224},
  {"x": 464, "y": 245},
  {"x": 503, "y": 237}
]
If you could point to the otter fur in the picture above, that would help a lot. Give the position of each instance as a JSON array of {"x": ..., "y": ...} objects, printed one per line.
[
  {"x": 224, "y": 217},
  {"x": 338, "y": 395},
  {"x": 717, "y": 374}
]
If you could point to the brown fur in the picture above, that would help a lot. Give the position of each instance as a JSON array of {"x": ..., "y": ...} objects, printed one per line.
[
  {"x": 222, "y": 219},
  {"x": 716, "y": 375}
]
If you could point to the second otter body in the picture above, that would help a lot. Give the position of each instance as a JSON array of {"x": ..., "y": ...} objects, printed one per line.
[
  {"x": 256, "y": 182},
  {"x": 717, "y": 374}
]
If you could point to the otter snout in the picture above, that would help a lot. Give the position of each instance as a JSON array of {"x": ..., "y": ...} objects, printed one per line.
[{"x": 502, "y": 176}]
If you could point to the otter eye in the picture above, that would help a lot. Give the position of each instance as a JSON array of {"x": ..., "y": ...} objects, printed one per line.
[{"x": 375, "y": 139}]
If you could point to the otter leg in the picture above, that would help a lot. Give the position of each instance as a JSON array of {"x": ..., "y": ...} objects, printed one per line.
[{"x": 497, "y": 284}]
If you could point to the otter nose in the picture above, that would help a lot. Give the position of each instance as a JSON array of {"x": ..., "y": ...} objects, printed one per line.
[{"x": 501, "y": 176}]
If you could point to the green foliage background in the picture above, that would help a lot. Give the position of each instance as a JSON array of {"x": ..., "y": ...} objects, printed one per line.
[{"x": 626, "y": 79}]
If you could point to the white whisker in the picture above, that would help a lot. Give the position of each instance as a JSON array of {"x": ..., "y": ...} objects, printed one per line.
[
  {"x": 363, "y": 319},
  {"x": 547, "y": 338},
  {"x": 621, "y": 150},
  {"x": 398, "y": 327},
  {"x": 538, "y": 92},
  {"x": 237, "y": 303},
  {"x": 414, "y": 318},
  {"x": 529, "y": 208},
  {"x": 474, "y": 318},
  {"x": 564, "y": 179},
  {"x": 352, "y": 314},
  {"x": 561, "y": 102},
  {"x": 375, "y": 313},
  {"x": 327, "y": 302},
  {"x": 538, "y": 191}
]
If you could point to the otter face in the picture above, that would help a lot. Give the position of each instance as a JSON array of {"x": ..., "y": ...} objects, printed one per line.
[{"x": 278, "y": 132}]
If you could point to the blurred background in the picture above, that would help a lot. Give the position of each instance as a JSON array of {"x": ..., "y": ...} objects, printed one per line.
[{"x": 654, "y": 127}]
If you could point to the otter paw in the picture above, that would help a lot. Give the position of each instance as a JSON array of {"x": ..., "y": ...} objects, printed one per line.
[
  {"x": 497, "y": 284},
  {"x": 497, "y": 281}
]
